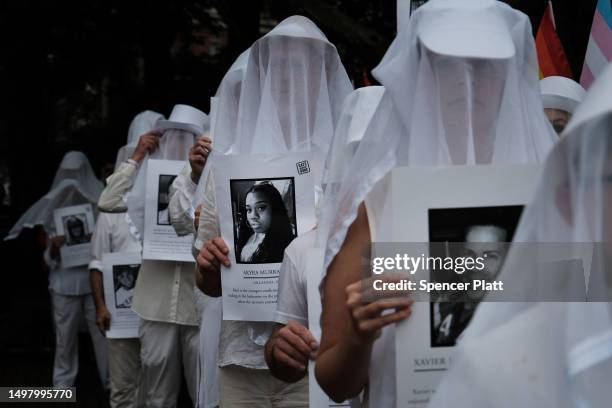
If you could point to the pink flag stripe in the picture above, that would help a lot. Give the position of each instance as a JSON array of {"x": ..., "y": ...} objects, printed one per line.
[
  {"x": 602, "y": 34},
  {"x": 586, "y": 78}
]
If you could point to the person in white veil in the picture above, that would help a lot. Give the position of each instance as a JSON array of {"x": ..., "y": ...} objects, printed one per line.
[
  {"x": 560, "y": 96},
  {"x": 185, "y": 217},
  {"x": 543, "y": 353},
  {"x": 74, "y": 183},
  {"x": 286, "y": 354},
  {"x": 290, "y": 100},
  {"x": 112, "y": 234},
  {"x": 163, "y": 296},
  {"x": 461, "y": 88}
]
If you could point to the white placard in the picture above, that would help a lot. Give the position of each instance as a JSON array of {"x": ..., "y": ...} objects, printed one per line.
[
  {"x": 160, "y": 239},
  {"x": 314, "y": 270},
  {"x": 434, "y": 202},
  {"x": 264, "y": 202},
  {"x": 120, "y": 270},
  {"x": 76, "y": 223}
]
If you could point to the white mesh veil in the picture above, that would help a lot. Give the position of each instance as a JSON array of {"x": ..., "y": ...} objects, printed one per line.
[
  {"x": 173, "y": 145},
  {"x": 288, "y": 99},
  {"x": 74, "y": 183},
  {"x": 223, "y": 118},
  {"x": 357, "y": 111},
  {"x": 444, "y": 108},
  {"x": 142, "y": 123},
  {"x": 293, "y": 89},
  {"x": 224, "y": 106},
  {"x": 551, "y": 354}
]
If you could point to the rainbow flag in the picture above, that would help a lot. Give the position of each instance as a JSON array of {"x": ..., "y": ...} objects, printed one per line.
[
  {"x": 599, "y": 50},
  {"x": 551, "y": 55}
]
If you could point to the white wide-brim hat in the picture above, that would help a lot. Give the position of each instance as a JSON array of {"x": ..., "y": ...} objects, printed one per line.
[
  {"x": 184, "y": 117},
  {"x": 561, "y": 93},
  {"x": 456, "y": 30}
]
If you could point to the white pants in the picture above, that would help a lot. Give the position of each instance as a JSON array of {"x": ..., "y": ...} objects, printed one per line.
[
  {"x": 166, "y": 349},
  {"x": 243, "y": 387},
  {"x": 124, "y": 372},
  {"x": 210, "y": 311},
  {"x": 67, "y": 313}
]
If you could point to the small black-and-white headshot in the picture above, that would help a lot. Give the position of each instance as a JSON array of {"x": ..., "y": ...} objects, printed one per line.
[
  {"x": 75, "y": 229},
  {"x": 264, "y": 219},
  {"x": 124, "y": 280},
  {"x": 482, "y": 232},
  {"x": 163, "y": 198}
]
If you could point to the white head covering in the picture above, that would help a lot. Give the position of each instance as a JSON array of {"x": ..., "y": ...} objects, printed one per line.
[
  {"x": 561, "y": 93},
  {"x": 292, "y": 92},
  {"x": 224, "y": 118},
  {"x": 173, "y": 145},
  {"x": 553, "y": 354},
  {"x": 357, "y": 111},
  {"x": 289, "y": 97},
  {"x": 142, "y": 123},
  {"x": 224, "y": 106},
  {"x": 74, "y": 183},
  {"x": 453, "y": 96}
]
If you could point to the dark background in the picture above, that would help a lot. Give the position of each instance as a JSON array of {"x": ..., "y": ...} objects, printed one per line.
[{"x": 74, "y": 73}]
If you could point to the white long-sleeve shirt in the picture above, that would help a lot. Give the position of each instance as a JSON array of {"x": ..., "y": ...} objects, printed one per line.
[
  {"x": 164, "y": 289},
  {"x": 180, "y": 209},
  {"x": 112, "y": 234}
]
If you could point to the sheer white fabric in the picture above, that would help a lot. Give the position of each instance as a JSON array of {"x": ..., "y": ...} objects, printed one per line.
[
  {"x": 357, "y": 111},
  {"x": 558, "y": 354},
  {"x": 74, "y": 183},
  {"x": 292, "y": 92},
  {"x": 173, "y": 145},
  {"x": 444, "y": 110},
  {"x": 290, "y": 100},
  {"x": 561, "y": 93},
  {"x": 223, "y": 118},
  {"x": 142, "y": 123}
]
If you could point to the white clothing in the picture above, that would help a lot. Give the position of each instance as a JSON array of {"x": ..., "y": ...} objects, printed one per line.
[
  {"x": 141, "y": 124},
  {"x": 164, "y": 289},
  {"x": 240, "y": 343},
  {"x": 209, "y": 309},
  {"x": 112, "y": 234},
  {"x": 173, "y": 145},
  {"x": 180, "y": 210},
  {"x": 67, "y": 314},
  {"x": 124, "y": 372},
  {"x": 121, "y": 180},
  {"x": 292, "y": 301},
  {"x": 559, "y": 354},
  {"x": 167, "y": 351},
  {"x": 443, "y": 109},
  {"x": 246, "y": 388},
  {"x": 74, "y": 183},
  {"x": 561, "y": 93}
]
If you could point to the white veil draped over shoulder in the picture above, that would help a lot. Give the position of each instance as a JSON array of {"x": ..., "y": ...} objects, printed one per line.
[
  {"x": 461, "y": 82},
  {"x": 542, "y": 353},
  {"x": 74, "y": 183}
]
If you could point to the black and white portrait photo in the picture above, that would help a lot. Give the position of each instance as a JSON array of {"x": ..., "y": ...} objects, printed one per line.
[
  {"x": 264, "y": 219},
  {"x": 124, "y": 279},
  {"x": 163, "y": 198},
  {"x": 75, "y": 229},
  {"x": 482, "y": 232}
]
